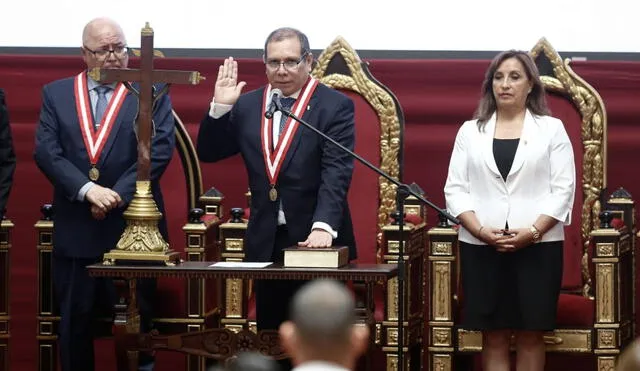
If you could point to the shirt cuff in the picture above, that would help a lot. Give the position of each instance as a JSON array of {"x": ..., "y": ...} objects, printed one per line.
[
  {"x": 218, "y": 110},
  {"x": 83, "y": 191},
  {"x": 325, "y": 227}
]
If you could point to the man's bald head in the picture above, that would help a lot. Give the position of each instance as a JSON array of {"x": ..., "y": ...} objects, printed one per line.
[
  {"x": 629, "y": 360},
  {"x": 104, "y": 44},
  {"x": 99, "y": 26}
]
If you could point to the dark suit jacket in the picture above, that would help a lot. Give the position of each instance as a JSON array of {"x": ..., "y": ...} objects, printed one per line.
[
  {"x": 61, "y": 155},
  {"x": 7, "y": 156},
  {"x": 315, "y": 175}
]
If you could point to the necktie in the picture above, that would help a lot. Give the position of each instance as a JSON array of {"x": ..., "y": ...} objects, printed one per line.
[
  {"x": 286, "y": 103},
  {"x": 101, "y": 105}
]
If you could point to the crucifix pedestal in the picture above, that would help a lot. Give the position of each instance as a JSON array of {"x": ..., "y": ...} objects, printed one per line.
[{"x": 141, "y": 239}]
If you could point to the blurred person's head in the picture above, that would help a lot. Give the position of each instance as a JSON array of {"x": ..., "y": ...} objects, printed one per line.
[
  {"x": 629, "y": 359},
  {"x": 252, "y": 361},
  {"x": 323, "y": 326}
]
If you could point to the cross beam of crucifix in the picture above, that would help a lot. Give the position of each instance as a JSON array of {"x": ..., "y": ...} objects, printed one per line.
[{"x": 146, "y": 76}]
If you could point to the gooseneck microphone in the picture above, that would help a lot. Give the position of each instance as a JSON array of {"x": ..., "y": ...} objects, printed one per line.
[{"x": 274, "y": 104}]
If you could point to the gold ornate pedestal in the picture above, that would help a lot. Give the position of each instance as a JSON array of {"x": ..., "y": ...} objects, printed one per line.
[{"x": 141, "y": 239}]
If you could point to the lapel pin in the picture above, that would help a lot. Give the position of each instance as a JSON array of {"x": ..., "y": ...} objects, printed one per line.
[{"x": 308, "y": 108}]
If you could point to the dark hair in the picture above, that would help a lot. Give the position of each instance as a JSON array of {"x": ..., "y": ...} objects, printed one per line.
[
  {"x": 285, "y": 33},
  {"x": 536, "y": 100}
]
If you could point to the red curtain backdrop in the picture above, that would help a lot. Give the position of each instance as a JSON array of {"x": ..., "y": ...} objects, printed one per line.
[{"x": 436, "y": 97}]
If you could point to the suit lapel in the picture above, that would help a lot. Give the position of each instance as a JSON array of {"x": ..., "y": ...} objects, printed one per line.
[
  {"x": 297, "y": 138},
  {"x": 524, "y": 144},
  {"x": 487, "y": 145},
  {"x": 129, "y": 104}
]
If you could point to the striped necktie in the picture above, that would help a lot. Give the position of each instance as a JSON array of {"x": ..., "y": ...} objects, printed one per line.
[
  {"x": 101, "y": 105},
  {"x": 286, "y": 103}
]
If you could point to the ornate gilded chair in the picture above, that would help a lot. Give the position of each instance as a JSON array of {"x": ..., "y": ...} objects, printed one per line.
[
  {"x": 173, "y": 315},
  {"x": 5, "y": 331},
  {"x": 596, "y": 309},
  {"x": 379, "y": 127}
]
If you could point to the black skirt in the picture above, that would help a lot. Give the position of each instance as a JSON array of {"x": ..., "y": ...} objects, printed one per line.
[{"x": 511, "y": 290}]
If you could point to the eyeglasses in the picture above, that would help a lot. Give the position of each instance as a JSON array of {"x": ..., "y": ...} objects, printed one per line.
[
  {"x": 118, "y": 51},
  {"x": 289, "y": 64}
]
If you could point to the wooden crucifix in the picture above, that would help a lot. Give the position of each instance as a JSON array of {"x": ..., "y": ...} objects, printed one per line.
[
  {"x": 146, "y": 76},
  {"x": 141, "y": 239}
]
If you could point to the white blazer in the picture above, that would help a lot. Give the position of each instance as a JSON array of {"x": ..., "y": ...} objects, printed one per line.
[{"x": 541, "y": 179}]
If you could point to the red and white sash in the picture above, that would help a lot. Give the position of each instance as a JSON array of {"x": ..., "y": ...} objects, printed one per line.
[
  {"x": 273, "y": 158},
  {"x": 94, "y": 141}
]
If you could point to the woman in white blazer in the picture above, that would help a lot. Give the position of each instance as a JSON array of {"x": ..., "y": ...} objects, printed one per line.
[{"x": 511, "y": 182}]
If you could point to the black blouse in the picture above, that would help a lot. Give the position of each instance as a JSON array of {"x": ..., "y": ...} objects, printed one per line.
[{"x": 504, "y": 151}]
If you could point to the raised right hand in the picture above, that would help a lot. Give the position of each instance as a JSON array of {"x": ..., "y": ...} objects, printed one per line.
[
  {"x": 228, "y": 89},
  {"x": 103, "y": 198}
]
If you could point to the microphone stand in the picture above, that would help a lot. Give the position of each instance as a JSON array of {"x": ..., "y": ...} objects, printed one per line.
[{"x": 403, "y": 191}]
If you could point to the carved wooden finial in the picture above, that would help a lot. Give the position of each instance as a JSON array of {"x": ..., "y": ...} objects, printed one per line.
[
  {"x": 147, "y": 30},
  {"x": 196, "y": 78}
]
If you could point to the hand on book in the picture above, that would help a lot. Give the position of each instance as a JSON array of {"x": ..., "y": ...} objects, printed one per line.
[{"x": 317, "y": 238}]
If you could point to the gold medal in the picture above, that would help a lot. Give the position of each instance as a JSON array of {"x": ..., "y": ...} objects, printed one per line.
[
  {"x": 94, "y": 173},
  {"x": 273, "y": 194}
]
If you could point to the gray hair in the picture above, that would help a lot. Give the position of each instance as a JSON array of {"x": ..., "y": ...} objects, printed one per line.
[{"x": 285, "y": 33}]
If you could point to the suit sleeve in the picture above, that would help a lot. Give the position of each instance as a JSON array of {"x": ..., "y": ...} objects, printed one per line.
[
  {"x": 217, "y": 138},
  {"x": 162, "y": 147},
  {"x": 336, "y": 167},
  {"x": 456, "y": 188},
  {"x": 563, "y": 177},
  {"x": 49, "y": 155},
  {"x": 7, "y": 156}
]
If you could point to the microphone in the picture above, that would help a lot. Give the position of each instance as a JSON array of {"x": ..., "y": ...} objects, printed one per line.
[{"x": 274, "y": 105}]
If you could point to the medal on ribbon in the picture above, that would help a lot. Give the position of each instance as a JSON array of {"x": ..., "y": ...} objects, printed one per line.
[
  {"x": 94, "y": 140},
  {"x": 94, "y": 173},
  {"x": 273, "y": 194},
  {"x": 273, "y": 158}
]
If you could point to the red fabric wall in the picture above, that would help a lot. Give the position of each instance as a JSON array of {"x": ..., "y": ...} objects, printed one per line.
[{"x": 436, "y": 96}]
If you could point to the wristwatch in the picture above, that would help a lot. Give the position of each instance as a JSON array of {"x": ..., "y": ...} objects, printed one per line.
[{"x": 535, "y": 232}]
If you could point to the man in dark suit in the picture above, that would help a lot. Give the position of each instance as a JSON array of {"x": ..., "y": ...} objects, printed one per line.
[
  {"x": 298, "y": 181},
  {"x": 7, "y": 156},
  {"x": 86, "y": 146}
]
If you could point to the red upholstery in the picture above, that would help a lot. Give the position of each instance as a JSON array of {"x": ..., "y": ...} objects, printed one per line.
[
  {"x": 364, "y": 191},
  {"x": 575, "y": 311},
  {"x": 572, "y": 274}
]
